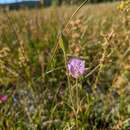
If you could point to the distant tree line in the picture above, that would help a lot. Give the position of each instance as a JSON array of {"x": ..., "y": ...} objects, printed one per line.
[
  {"x": 59, "y": 2},
  {"x": 46, "y": 3}
]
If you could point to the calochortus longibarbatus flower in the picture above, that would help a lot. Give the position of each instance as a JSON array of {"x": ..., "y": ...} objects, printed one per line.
[
  {"x": 76, "y": 67},
  {"x": 3, "y": 98}
]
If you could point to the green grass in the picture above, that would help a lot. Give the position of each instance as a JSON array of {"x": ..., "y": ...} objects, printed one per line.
[{"x": 41, "y": 93}]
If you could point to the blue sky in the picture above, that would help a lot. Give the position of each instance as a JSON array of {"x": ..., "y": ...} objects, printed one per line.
[{"x": 12, "y": 1}]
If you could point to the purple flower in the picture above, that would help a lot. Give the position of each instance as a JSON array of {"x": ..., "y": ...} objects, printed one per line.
[
  {"x": 3, "y": 98},
  {"x": 76, "y": 67}
]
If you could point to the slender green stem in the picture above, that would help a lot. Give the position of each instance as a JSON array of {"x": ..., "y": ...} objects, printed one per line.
[
  {"x": 56, "y": 46},
  {"x": 92, "y": 71},
  {"x": 76, "y": 11},
  {"x": 77, "y": 102}
]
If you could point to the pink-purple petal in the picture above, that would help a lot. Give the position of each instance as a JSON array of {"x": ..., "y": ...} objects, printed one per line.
[
  {"x": 3, "y": 98},
  {"x": 76, "y": 67}
]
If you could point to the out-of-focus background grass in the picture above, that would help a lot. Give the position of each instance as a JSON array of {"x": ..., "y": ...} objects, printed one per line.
[{"x": 40, "y": 96}]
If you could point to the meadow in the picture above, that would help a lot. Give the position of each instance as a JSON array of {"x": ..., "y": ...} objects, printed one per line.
[{"x": 39, "y": 92}]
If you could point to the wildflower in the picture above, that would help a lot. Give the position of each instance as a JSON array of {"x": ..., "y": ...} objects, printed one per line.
[
  {"x": 3, "y": 98},
  {"x": 76, "y": 67}
]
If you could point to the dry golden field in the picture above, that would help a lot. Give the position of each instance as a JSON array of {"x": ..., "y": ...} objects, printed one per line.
[{"x": 39, "y": 92}]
